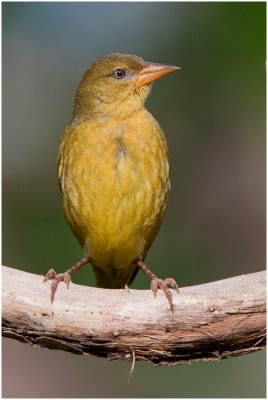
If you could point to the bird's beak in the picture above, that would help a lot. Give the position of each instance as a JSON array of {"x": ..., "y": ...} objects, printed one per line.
[{"x": 151, "y": 72}]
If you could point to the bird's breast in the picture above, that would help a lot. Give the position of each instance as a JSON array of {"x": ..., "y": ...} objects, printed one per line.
[{"x": 114, "y": 181}]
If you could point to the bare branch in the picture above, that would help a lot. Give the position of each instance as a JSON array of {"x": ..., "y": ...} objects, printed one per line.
[{"x": 216, "y": 320}]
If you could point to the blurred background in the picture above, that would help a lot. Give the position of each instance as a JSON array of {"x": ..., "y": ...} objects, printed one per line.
[{"x": 213, "y": 113}]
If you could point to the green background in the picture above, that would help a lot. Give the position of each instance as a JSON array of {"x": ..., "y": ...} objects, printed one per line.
[{"x": 213, "y": 114}]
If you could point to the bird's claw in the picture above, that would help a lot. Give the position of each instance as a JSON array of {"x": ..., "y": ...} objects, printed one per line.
[
  {"x": 163, "y": 285},
  {"x": 56, "y": 278},
  {"x": 51, "y": 274}
]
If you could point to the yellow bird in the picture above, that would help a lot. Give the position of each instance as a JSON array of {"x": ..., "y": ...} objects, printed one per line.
[{"x": 113, "y": 172}]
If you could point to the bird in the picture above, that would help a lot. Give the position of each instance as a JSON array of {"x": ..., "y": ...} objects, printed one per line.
[{"x": 113, "y": 173}]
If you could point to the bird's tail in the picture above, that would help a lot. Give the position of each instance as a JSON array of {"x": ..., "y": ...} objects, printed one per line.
[{"x": 114, "y": 278}]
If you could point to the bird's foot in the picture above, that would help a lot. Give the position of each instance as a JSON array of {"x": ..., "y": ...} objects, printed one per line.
[
  {"x": 56, "y": 278},
  {"x": 157, "y": 283},
  {"x": 65, "y": 277},
  {"x": 163, "y": 284}
]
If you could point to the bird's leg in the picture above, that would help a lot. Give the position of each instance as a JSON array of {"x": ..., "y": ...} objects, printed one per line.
[
  {"x": 65, "y": 276},
  {"x": 157, "y": 283}
]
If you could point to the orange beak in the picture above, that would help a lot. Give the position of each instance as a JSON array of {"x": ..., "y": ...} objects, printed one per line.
[{"x": 152, "y": 71}]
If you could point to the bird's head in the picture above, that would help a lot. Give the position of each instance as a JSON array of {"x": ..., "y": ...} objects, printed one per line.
[{"x": 117, "y": 84}]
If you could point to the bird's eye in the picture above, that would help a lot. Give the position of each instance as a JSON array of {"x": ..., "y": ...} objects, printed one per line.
[{"x": 119, "y": 73}]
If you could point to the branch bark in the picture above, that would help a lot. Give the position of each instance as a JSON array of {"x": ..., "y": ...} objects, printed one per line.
[{"x": 211, "y": 321}]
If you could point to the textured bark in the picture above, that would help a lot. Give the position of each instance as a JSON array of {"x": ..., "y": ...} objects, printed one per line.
[{"x": 211, "y": 321}]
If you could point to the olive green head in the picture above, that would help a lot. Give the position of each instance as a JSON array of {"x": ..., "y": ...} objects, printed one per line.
[{"x": 116, "y": 83}]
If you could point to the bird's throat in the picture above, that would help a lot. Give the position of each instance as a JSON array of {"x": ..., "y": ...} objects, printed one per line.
[{"x": 96, "y": 105}]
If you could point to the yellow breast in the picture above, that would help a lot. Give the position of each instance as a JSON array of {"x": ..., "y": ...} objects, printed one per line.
[{"x": 114, "y": 184}]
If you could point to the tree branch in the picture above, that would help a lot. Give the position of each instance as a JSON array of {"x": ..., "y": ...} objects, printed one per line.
[{"x": 216, "y": 320}]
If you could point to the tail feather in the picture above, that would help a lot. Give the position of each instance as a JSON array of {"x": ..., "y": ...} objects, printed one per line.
[
  {"x": 133, "y": 276},
  {"x": 114, "y": 278}
]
